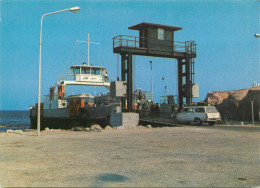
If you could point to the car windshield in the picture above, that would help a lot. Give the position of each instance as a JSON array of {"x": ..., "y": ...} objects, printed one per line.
[{"x": 211, "y": 110}]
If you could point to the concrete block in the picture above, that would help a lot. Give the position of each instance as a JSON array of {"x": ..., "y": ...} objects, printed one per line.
[
  {"x": 118, "y": 89},
  {"x": 125, "y": 119}
]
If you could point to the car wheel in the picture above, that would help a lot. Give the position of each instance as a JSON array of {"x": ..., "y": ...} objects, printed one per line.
[
  {"x": 211, "y": 123},
  {"x": 198, "y": 121}
]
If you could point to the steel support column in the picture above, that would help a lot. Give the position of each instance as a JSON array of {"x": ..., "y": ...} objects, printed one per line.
[
  {"x": 180, "y": 84},
  {"x": 185, "y": 88},
  {"x": 129, "y": 83},
  {"x": 123, "y": 77},
  {"x": 188, "y": 82}
]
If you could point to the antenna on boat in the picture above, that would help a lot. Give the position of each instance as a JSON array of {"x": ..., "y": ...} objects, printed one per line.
[
  {"x": 88, "y": 46},
  {"x": 88, "y": 42}
]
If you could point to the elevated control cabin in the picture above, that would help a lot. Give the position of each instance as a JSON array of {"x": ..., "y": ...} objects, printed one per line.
[
  {"x": 154, "y": 40},
  {"x": 86, "y": 75},
  {"x": 156, "y": 36}
]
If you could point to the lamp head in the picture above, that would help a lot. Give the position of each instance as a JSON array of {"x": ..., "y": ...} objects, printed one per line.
[{"x": 74, "y": 9}]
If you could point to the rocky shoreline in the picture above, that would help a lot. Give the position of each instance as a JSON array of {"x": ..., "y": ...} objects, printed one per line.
[{"x": 236, "y": 104}]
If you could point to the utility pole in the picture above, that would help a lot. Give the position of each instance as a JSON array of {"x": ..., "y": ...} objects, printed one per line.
[
  {"x": 165, "y": 87},
  {"x": 151, "y": 63},
  {"x": 252, "y": 105}
]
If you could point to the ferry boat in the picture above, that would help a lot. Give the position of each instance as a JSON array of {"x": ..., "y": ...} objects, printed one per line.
[{"x": 61, "y": 112}]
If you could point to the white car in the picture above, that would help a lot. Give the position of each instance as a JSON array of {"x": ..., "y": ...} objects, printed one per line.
[{"x": 199, "y": 115}]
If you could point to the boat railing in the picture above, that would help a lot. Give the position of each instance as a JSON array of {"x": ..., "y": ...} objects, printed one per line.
[
  {"x": 148, "y": 95},
  {"x": 55, "y": 97},
  {"x": 107, "y": 79},
  {"x": 164, "y": 99},
  {"x": 188, "y": 47},
  {"x": 71, "y": 77},
  {"x": 143, "y": 95},
  {"x": 156, "y": 115},
  {"x": 68, "y": 77}
]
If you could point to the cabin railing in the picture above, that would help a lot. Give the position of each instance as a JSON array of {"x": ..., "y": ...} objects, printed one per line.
[
  {"x": 188, "y": 47},
  {"x": 71, "y": 77},
  {"x": 68, "y": 77}
]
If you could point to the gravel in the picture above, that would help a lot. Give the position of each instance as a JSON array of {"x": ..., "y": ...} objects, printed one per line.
[{"x": 156, "y": 157}]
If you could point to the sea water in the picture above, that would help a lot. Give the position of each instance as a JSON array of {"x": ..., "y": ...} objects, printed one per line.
[{"x": 14, "y": 119}]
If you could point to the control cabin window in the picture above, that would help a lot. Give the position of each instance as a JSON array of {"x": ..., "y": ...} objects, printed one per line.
[
  {"x": 85, "y": 71},
  {"x": 160, "y": 34},
  {"x": 77, "y": 70},
  {"x": 95, "y": 71}
]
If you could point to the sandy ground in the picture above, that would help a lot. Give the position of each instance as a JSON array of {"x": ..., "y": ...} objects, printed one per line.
[{"x": 177, "y": 157}]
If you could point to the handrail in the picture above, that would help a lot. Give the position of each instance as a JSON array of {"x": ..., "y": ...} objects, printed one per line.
[
  {"x": 188, "y": 47},
  {"x": 156, "y": 115}
]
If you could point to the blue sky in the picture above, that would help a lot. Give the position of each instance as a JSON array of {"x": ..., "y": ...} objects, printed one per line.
[{"x": 227, "y": 52}]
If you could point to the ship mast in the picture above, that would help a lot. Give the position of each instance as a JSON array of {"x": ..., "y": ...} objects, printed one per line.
[
  {"x": 88, "y": 48},
  {"x": 88, "y": 42}
]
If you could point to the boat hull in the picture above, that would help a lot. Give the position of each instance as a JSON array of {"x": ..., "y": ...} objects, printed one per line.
[{"x": 59, "y": 119}]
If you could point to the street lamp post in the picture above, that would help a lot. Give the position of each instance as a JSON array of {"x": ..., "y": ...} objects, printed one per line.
[{"x": 73, "y": 9}]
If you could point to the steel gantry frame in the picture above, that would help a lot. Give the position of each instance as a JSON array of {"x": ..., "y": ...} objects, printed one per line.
[
  {"x": 185, "y": 80},
  {"x": 184, "y": 52}
]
